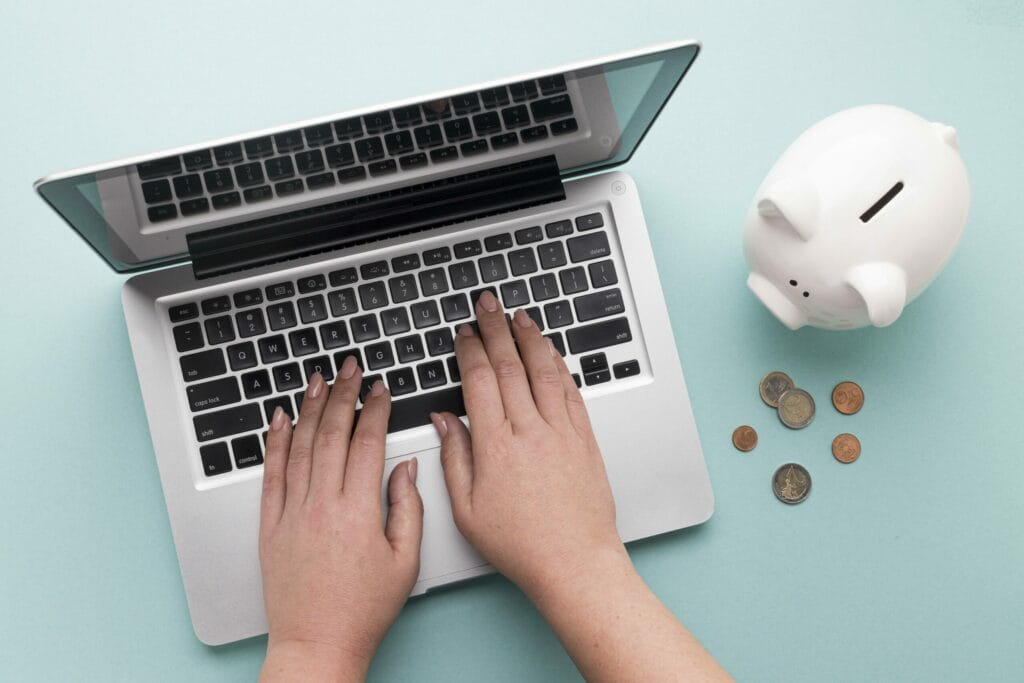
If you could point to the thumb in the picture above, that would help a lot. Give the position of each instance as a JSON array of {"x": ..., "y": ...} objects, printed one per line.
[
  {"x": 405, "y": 518},
  {"x": 456, "y": 459}
]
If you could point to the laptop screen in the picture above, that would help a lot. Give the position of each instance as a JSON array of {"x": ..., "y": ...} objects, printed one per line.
[{"x": 589, "y": 116}]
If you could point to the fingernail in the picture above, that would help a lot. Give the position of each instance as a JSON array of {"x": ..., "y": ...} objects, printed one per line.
[
  {"x": 277, "y": 421},
  {"x": 522, "y": 319},
  {"x": 348, "y": 367},
  {"x": 377, "y": 389},
  {"x": 439, "y": 424},
  {"x": 488, "y": 301},
  {"x": 551, "y": 347},
  {"x": 411, "y": 470},
  {"x": 466, "y": 330},
  {"x": 316, "y": 385}
]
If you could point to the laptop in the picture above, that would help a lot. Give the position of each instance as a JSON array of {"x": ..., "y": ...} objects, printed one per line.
[{"x": 268, "y": 256}]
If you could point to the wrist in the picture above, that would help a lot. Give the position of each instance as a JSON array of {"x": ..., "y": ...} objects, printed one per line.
[
  {"x": 593, "y": 572},
  {"x": 307, "y": 660}
]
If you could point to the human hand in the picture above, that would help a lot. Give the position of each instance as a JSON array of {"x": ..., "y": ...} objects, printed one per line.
[
  {"x": 334, "y": 577},
  {"x": 527, "y": 483}
]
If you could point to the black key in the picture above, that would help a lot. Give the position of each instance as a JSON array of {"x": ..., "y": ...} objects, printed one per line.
[
  {"x": 437, "y": 110},
  {"x": 369, "y": 149},
  {"x": 598, "y": 335},
  {"x": 283, "y": 401},
  {"x": 552, "y": 255},
  {"x": 287, "y": 377},
  {"x": 377, "y": 122},
  {"x": 320, "y": 180},
  {"x": 409, "y": 348},
  {"x": 156, "y": 191},
  {"x": 425, "y": 314},
  {"x": 186, "y": 186},
  {"x": 458, "y": 129},
  {"x": 588, "y": 247},
  {"x": 340, "y": 356},
  {"x": 407, "y": 116},
  {"x": 534, "y": 133},
  {"x": 487, "y": 123},
  {"x": 343, "y": 301},
  {"x": 303, "y": 342},
  {"x": 260, "y": 147},
  {"x": 281, "y": 316},
  {"x": 250, "y": 323},
  {"x": 455, "y": 307},
  {"x": 401, "y": 381},
  {"x": 467, "y": 249},
  {"x": 249, "y": 297},
  {"x": 158, "y": 168},
  {"x": 287, "y": 187},
  {"x": 340, "y": 155},
  {"x": 629, "y": 368},
  {"x": 597, "y": 361},
  {"x": 395, "y": 321},
  {"x": 242, "y": 356},
  {"x": 431, "y": 374},
  {"x": 564, "y": 126},
  {"x": 217, "y": 304},
  {"x": 494, "y": 97},
  {"x": 228, "y": 154},
  {"x": 373, "y": 295},
  {"x": 538, "y": 319},
  {"x": 227, "y": 200},
  {"x": 432, "y": 257},
  {"x": 549, "y": 85},
  {"x": 557, "y": 342},
  {"x": 399, "y": 143},
  {"x": 453, "y": 369},
  {"x": 349, "y": 128},
  {"x": 440, "y": 342},
  {"x": 202, "y": 365},
  {"x": 596, "y": 377},
  {"x": 164, "y": 212},
  {"x": 321, "y": 364},
  {"x": 514, "y": 294},
  {"x": 379, "y": 355},
  {"x": 247, "y": 450},
  {"x": 576, "y": 379},
  {"x": 374, "y": 269},
  {"x": 414, "y": 411},
  {"x": 492, "y": 268},
  {"x": 589, "y": 222},
  {"x": 523, "y": 91},
  {"x": 379, "y": 168},
  {"x": 258, "y": 194},
  {"x": 311, "y": 161},
  {"x": 364, "y": 328},
  {"x": 298, "y": 401},
  {"x": 463, "y": 275},
  {"x": 318, "y": 135},
  {"x": 312, "y": 309},
  {"x": 288, "y": 141},
  {"x": 351, "y": 175},
  {"x": 602, "y": 273},
  {"x": 403, "y": 288},
  {"x": 551, "y": 108},
  {"x": 256, "y": 384},
  {"x": 558, "y": 229},
  {"x": 429, "y": 136},
  {"x": 281, "y": 290},
  {"x": 221, "y": 423},
  {"x": 544, "y": 287},
  {"x": 413, "y": 161},
  {"x": 498, "y": 242},
  {"x": 183, "y": 312},
  {"x": 522, "y": 261},
  {"x": 473, "y": 147},
  {"x": 433, "y": 281},
  {"x": 219, "y": 330},
  {"x": 515, "y": 116},
  {"x": 465, "y": 104},
  {"x": 334, "y": 335},
  {"x": 559, "y": 314},
  {"x": 216, "y": 459},
  {"x": 191, "y": 207},
  {"x": 367, "y": 384},
  {"x": 599, "y": 304},
  {"x": 474, "y": 296},
  {"x": 345, "y": 276},
  {"x": 444, "y": 154},
  {"x": 312, "y": 283},
  {"x": 249, "y": 174},
  {"x": 273, "y": 349},
  {"x": 527, "y": 235},
  {"x": 401, "y": 264},
  {"x": 573, "y": 280}
]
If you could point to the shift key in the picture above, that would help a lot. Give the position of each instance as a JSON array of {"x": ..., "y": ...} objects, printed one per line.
[
  {"x": 223, "y": 423},
  {"x": 598, "y": 335}
]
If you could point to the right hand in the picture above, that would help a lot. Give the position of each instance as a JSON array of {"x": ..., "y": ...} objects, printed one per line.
[{"x": 527, "y": 484}]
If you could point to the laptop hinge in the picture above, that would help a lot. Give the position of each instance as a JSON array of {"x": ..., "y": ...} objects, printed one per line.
[{"x": 373, "y": 217}]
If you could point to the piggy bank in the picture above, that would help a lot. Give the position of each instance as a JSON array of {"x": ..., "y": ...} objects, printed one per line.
[{"x": 856, "y": 218}]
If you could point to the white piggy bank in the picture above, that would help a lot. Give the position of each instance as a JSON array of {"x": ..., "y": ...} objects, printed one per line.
[{"x": 856, "y": 218}]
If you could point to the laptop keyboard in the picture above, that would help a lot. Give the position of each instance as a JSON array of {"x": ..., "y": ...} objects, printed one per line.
[
  {"x": 350, "y": 150},
  {"x": 243, "y": 354}
]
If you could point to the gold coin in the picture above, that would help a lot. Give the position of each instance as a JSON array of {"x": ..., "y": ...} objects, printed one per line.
[
  {"x": 744, "y": 438},
  {"x": 848, "y": 397},
  {"x": 796, "y": 408},
  {"x": 846, "y": 448},
  {"x": 773, "y": 385},
  {"x": 791, "y": 483}
]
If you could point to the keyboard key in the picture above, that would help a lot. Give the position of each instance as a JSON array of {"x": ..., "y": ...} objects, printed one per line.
[
  {"x": 463, "y": 275},
  {"x": 202, "y": 365},
  {"x": 602, "y": 273},
  {"x": 564, "y": 126},
  {"x": 312, "y": 308},
  {"x": 367, "y": 384},
  {"x": 468, "y": 249},
  {"x": 558, "y": 229},
  {"x": 310, "y": 161},
  {"x": 414, "y": 411},
  {"x": 522, "y": 261},
  {"x": 597, "y": 361},
  {"x": 344, "y": 276},
  {"x": 288, "y": 141},
  {"x": 318, "y": 135},
  {"x": 407, "y": 116},
  {"x": 321, "y": 364},
  {"x": 374, "y": 269},
  {"x": 228, "y": 200},
  {"x": 596, "y": 377},
  {"x": 588, "y": 247},
  {"x": 164, "y": 212},
  {"x": 432, "y": 257},
  {"x": 409, "y": 348},
  {"x": 437, "y": 110},
  {"x": 260, "y": 147},
  {"x": 514, "y": 294},
  {"x": 551, "y": 108},
  {"x": 217, "y": 304},
  {"x": 492, "y": 268},
  {"x": 487, "y": 123},
  {"x": 364, "y": 328},
  {"x": 298, "y": 401},
  {"x": 401, "y": 264},
  {"x": 504, "y": 140},
  {"x": 369, "y": 149},
  {"x": 516, "y": 116},
  {"x": 258, "y": 194},
  {"x": 256, "y": 384},
  {"x": 157, "y": 191},
  {"x": 629, "y": 368},
  {"x": 351, "y": 175},
  {"x": 349, "y": 128},
  {"x": 549, "y": 85},
  {"x": 279, "y": 167},
  {"x": 395, "y": 321},
  {"x": 186, "y": 186},
  {"x": 428, "y": 136},
  {"x": 473, "y": 147},
  {"x": 498, "y": 242},
  {"x": 494, "y": 97},
  {"x": 399, "y": 143},
  {"x": 465, "y": 104},
  {"x": 340, "y": 357},
  {"x": 377, "y": 122},
  {"x": 474, "y": 295},
  {"x": 288, "y": 187},
  {"x": 440, "y": 342},
  {"x": 403, "y": 288},
  {"x": 557, "y": 342},
  {"x": 379, "y": 168},
  {"x": 425, "y": 314},
  {"x": 334, "y": 335},
  {"x": 303, "y": 342},
  {"x": 250, "y": 323},
  {"x": 401, "y": 381},
  {"x": 247, "y": 451},
  {"x": 159, "y": 167},
  {"x": 221, "y": 423},
  {"x": 444, "y": 154},
  {"x": 283, "y": 401},
  {"x": 573, "y": 280},
  {"x": 534, "y": 313},
  {"x": 219, "y": 330},
  {"x": 576, "y": 379},
  {"x": 311, "y": 283},
  {"x": 343, "y": 302},
  {"x": 453, "y": 369},
  {"x": 523, "y": 91},
  {"x": 183, "y": 312},
  {"x": 320, "y": 180},
  {"x": 589, "y": 222},
  {"x": 379, "y": 355},
  {"x": 281, "y": 290},
  {"x": 273, "y": 349},
  {"x": 228, "y": 154},
  {"x": 287, "y": 377},
  {"x": 455, "y": 307},
  {"x": 598, "y": 335},
  {"x": 281, "y": 316},
  {"x": 242, "y": 356},
  {"x": 431, "y": 374},
  {"x": 528, "y": 235},
  {"x": 216, "y": 459},
  {"x": 249, "y": 297},
  {"x": 599, "y": 305},
  {"x": 534, "y": 133},
  {"x": 340, "y": 155},
  {"x": 191, "y": 207},
  {"x": 544, "y": 287},
  {"x": 413, "y": 161},
  {"x": 558, "y": 314},
  {"x": 373, "y": 295},
  {"x": 249, "y": 174},
  {"x": 552, "y": 255},
  {"x": 458, "y": 129}
]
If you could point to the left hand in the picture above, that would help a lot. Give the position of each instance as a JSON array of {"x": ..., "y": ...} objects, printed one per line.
[{"x": 334, "y": 577}]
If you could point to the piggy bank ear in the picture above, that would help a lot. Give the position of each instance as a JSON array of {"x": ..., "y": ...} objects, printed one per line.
[
  {"x": 793, "y": 203},
  {"x": 947, "y": 134},
  {"x": 883, "y": 287}
]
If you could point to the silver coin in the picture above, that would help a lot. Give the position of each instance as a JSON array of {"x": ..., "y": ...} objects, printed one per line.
[
  {"x": 796, "y": 408},
  {"x": 774, "y": 385},
  {"x": 791, "y": 483}
]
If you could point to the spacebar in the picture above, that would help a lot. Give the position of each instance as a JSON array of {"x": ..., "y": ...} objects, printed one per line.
[{"x": 414, "y": 411}]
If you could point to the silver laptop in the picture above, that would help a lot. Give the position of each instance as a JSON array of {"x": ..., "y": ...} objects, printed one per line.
[{"x": 267, "y": 256}]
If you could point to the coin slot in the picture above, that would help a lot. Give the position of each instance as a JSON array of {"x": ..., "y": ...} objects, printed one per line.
[{"x": 880, "y": 204}]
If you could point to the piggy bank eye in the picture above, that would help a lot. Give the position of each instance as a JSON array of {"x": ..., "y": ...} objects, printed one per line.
[{"x": 880, "y": 204}]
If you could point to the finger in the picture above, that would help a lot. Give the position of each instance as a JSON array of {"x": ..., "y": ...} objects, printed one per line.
[
  {"x": 365, "y": 467},
  {"x": 301, "y": 455},
  {"x": 279, "y": 439},
  {"x": 574, "y": 404},
  {"x": 545, "y": 379},
  {"x": 479, "y": 386},
  {"x": 456, "y": 460},
  {"x": 404, "y": 529},
  {"x": 508, "y": 368},
  {"x": 330, "y": 447}
]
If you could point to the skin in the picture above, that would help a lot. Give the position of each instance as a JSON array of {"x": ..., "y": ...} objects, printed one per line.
[{"x": 335, "y": 578}]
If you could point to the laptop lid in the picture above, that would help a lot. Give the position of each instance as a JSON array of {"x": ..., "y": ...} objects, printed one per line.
[{"x": 139, "y": 213}]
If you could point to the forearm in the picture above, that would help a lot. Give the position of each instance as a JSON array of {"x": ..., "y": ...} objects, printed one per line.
[
  {"x": 294, "y": 661},
  {"x": 616, "y": 629}
]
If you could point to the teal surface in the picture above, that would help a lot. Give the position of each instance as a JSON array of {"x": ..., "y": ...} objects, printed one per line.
[{"x": 906, "y": 565}]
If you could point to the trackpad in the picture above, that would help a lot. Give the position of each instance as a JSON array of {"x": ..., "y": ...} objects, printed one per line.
[{"x": 444, "y": 550}]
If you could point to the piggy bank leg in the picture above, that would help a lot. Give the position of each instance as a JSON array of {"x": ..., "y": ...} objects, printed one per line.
[
  {"x": 776, "y": 302},
  {"x": 883, "y": 287}
]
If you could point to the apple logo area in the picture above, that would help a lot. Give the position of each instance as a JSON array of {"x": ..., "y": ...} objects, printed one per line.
[{"x": 856, "y": 218}]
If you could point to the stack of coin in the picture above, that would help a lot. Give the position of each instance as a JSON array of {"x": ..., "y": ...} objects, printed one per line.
[{"x": 794, "y": 405}]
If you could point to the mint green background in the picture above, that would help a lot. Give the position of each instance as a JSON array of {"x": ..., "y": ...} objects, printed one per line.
[{"x": 906, "y": 565}]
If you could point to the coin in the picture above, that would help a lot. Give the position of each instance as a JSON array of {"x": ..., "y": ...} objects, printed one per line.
[
  {"x": 773, "y": 385},
  {"x": 744, "y": 438},
  {"x": 791, "y": 483},
  {"x": 848, "y": 397},
  {"x": 846, "y": 448},
  {"x": 796, "y": 408}
]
